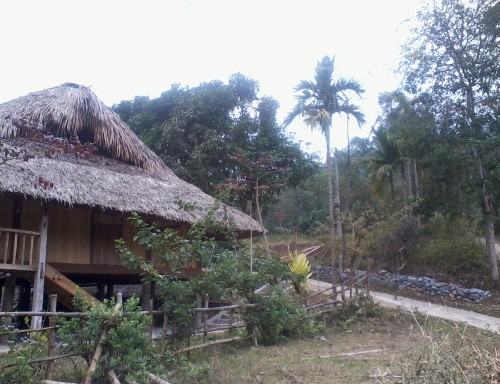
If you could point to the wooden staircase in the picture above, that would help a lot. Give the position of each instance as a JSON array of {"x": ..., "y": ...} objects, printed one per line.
[{"x": 56, "y": 282}]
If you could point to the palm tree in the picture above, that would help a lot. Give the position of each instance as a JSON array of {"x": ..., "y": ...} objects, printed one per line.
[
  {"x": 317, "y": 102},
  {"x": 384, "y": 161}
]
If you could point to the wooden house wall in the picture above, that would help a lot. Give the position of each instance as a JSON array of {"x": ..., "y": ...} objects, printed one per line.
[
  {"x": 128, "y": 236},
  {"x": 106, "y": 228},
  {"x": 6, "y": 219},
  {"x": 76, "y": 235},
  {"x": 6, "y": 211},
  {"x": 69, "y": 235}
]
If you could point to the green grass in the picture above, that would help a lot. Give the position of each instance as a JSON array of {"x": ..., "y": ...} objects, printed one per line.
[{"x": 378, "y": 350}]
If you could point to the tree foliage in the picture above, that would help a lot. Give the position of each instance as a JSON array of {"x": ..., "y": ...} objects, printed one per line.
[
  {"x": 454, "y": 55},
  {"x": 217, "y": 135}
]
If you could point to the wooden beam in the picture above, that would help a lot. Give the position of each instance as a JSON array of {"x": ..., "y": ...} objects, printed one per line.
[
  {"x": 17, "y": 267},
  {"x": 36, "y": 321}
]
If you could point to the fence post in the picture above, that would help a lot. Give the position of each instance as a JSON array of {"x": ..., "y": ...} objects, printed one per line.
[
  {"x": 165, "y": 328},
  {"x": 52, "y": 335},
  {"x": 205, "y": 320},
  {"x": 231, "y": 321},
  {"x": 152, "y": 325}
]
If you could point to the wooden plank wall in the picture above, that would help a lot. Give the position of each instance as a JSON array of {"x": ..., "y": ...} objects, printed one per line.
[
  {"x": 69, "y": 238},
  {"x": 106, "y": 228}
]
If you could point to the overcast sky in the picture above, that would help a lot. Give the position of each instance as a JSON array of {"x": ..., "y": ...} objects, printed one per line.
[{"x": 124, "y": 49}]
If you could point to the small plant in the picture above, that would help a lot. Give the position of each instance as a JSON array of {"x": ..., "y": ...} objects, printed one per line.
[
  {"x": 301, "y": 271},
  {"x": 17, "y": 364}
]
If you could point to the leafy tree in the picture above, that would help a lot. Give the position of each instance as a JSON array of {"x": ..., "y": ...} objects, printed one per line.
[
  {"x": 317, "y": 102},
  {"x": 454, "y": 56},
  {"x": 210, "y": 135}
]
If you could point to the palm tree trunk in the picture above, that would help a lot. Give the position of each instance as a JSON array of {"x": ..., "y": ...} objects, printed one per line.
[
  {"x": 331, "y": 211},
  {"x": 340, "y": 232}
]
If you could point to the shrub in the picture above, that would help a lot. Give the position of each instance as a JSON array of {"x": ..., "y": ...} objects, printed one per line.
[
  {"x": 450, "y": 247},
  {"x": 276, "y": 317},
  {"x": 357, "y": 309},
  {"x": 127, "y": 351}
]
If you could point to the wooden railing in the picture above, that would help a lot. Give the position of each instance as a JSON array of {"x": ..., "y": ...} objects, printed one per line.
[{"x": 18, "y": 247}]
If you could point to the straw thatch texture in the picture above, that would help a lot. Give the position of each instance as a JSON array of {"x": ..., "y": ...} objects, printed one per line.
[
  {"x": 71, "y": 109},
  {"x": 147, "y": 187}
]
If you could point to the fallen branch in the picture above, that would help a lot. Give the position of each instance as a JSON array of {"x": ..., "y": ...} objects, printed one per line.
[
  {"x": 43, "y": 359},
  {"x": 215, "y": 342},
  {"x": 55, "y": 382},
  {"x": 360, "y": 352},
  {"x": 156, "y": 380},
  {"x": 112, "y": 378}
]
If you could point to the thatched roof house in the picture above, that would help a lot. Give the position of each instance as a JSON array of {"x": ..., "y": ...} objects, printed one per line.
[
  {"x": 125, "y": 175},
  {"x": 61, "y": 208}
]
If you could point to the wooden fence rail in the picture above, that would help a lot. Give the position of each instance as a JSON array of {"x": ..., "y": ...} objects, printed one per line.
[
  {"x": 18, "y": 247},
  {"x": 324, "y": 305}
]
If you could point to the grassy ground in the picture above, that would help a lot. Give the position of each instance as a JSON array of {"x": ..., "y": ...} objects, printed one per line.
[{"x": 386, "y": 349}]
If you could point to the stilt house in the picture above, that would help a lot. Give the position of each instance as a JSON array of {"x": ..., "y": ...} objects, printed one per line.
[{"x": 61, "y": 210}]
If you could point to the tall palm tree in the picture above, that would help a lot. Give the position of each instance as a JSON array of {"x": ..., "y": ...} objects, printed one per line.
[{"x": 317, "y": 102}]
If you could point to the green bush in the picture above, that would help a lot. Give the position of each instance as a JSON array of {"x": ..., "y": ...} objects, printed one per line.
[
  {"x": 276, "y": 317},
  {"x": 354, "y": 310},
  {"x": 17, "y": 364},
  {"x": 127, "y": 351},
  {"x": 449, "y": 247}
]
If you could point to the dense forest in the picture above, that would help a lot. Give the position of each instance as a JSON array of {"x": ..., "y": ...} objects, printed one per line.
[{"x": 430, "y": 166}]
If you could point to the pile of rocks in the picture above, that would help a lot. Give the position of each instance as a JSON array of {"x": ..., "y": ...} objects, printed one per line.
[
  {"x": 423, "y": 284},
  {"x": 431, "y": 286},
  {"x": 321, "y": 273}
]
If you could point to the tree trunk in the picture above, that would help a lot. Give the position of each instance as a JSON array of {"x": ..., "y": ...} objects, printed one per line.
[
  {"x": 259, "y": 215},
  {"x": 487, "y": 198},
  {"x": 340, "y": 232},
  {"x": 492, "y": 253},
  {"x": 331, "y": 212},
  {"x": 489, "y": 226}
]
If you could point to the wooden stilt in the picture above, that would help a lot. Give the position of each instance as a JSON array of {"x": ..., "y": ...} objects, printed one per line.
[
  {"x": 110, "y": 291},
  {"x": 39, "y": 279},
  {"x": 100, "y": 291}
]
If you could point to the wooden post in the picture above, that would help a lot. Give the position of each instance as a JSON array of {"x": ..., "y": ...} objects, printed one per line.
[
  {"x": 164, "y": 331},
  {"x": 205, "y": 321},
  {"x": 9, "y": 290},
  {"x": 146, "y": 288},
  {"x": 100, "y": 291},
  {"x": 231, "y": 321},
  {"x": 197, "y": 315},
  {"x": 152, "y": 325},
  {"x": 51, "y": 336},
  {"x": 37, "y": 305},
  {"x": 110, "y": 291}
]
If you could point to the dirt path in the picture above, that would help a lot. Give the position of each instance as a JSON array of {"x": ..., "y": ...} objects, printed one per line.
[{"x": 471, "y": 318}]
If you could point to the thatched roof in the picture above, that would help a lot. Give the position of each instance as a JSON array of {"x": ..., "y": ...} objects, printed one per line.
[
  {"x": 75, "y": 109},
  {"x": 125, "y": 175}
]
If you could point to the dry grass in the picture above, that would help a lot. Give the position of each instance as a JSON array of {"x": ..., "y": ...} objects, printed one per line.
[{"x": 388, "y": 349}]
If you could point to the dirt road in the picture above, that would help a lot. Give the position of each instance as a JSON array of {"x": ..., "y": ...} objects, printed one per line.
[{"x": 471, "y": 318}]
